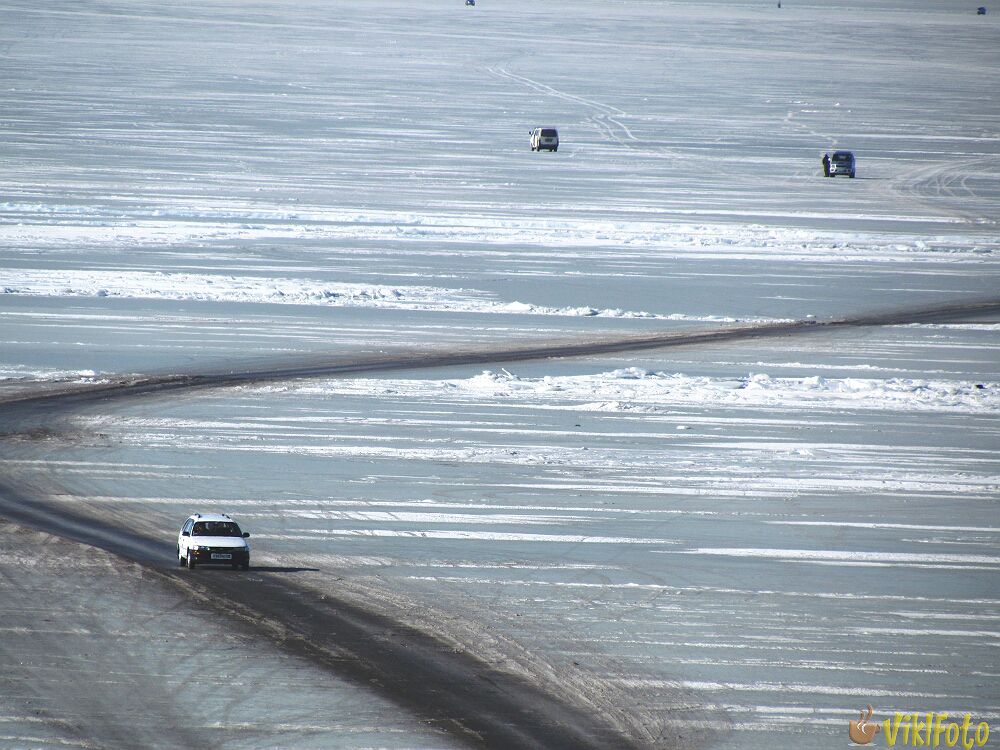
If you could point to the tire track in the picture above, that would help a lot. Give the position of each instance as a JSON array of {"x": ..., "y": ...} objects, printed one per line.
[{"x": 947, "y": 185}]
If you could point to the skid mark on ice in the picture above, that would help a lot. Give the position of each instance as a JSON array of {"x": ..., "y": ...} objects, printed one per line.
[
  {"x": 791, "y": 119},
  {"x": 606, "y": 118},
  {"x": 948, "y": 184}
]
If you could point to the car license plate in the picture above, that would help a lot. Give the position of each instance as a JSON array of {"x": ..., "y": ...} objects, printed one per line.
[{"x": 221, "y": 556}]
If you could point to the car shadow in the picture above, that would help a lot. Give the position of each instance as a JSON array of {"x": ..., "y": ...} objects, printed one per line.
[{"x": 208, "y": 568}]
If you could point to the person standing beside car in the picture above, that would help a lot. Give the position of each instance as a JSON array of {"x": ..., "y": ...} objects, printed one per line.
[{"x": 826, "y": 165}]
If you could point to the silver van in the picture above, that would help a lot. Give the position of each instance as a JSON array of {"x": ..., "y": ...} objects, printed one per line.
[
  {"x": 842, "y": 162},
  {"x": 547, "y": 138}
]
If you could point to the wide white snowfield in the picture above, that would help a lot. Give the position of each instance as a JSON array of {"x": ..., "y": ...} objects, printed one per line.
[{"x": 735, "y": 545}]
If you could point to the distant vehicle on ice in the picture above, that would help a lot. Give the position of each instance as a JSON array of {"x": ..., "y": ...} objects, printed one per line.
[
  {"x": 470, "y": 2},
  {"x": 547, "y": 138},
  {"x": 842, "y": 162},
  {"x": 981, "y": 10}
]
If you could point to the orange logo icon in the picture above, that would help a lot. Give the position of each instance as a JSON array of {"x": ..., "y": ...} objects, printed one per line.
[{"x": 864, "y": 729}]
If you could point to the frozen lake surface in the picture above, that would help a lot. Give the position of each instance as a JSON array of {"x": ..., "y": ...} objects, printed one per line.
[{"x": 731, "y": 545}]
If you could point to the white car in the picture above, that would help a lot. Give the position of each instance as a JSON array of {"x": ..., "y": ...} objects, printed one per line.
[
  {"x": 212, "y": 539},
  {"x": 547, "y": 138}
]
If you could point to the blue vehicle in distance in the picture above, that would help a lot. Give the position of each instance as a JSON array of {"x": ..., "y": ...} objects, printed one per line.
[{"x": 843, "y": 162}]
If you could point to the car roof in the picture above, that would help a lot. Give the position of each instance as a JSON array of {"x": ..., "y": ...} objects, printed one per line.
[
  {"x": 843, "y": 153},
  {"x": 209, "y": 517}
]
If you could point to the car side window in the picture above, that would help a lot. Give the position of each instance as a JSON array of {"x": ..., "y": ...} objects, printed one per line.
[{"x": 187, "y": 526}]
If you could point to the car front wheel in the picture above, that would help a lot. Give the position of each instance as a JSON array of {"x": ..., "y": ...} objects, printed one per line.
[{"x": 190, "y": 560}]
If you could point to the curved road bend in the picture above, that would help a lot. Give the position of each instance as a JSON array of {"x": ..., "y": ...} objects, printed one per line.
[
  {"x": 483, "y": 706},
  {"x": 454, "y": 691}
]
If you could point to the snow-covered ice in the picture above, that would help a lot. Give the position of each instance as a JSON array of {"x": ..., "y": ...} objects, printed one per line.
[{"x": 743, "y": 543}]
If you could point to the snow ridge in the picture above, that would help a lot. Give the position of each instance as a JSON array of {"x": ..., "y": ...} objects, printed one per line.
[{"x": 637, "y": 389}]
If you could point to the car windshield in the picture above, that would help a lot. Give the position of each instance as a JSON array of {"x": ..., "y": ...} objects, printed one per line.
[
  {"x": 549, "y": 133},
  {"x": 842, "y": 157},
  {"x": 216, "y": 528}
]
